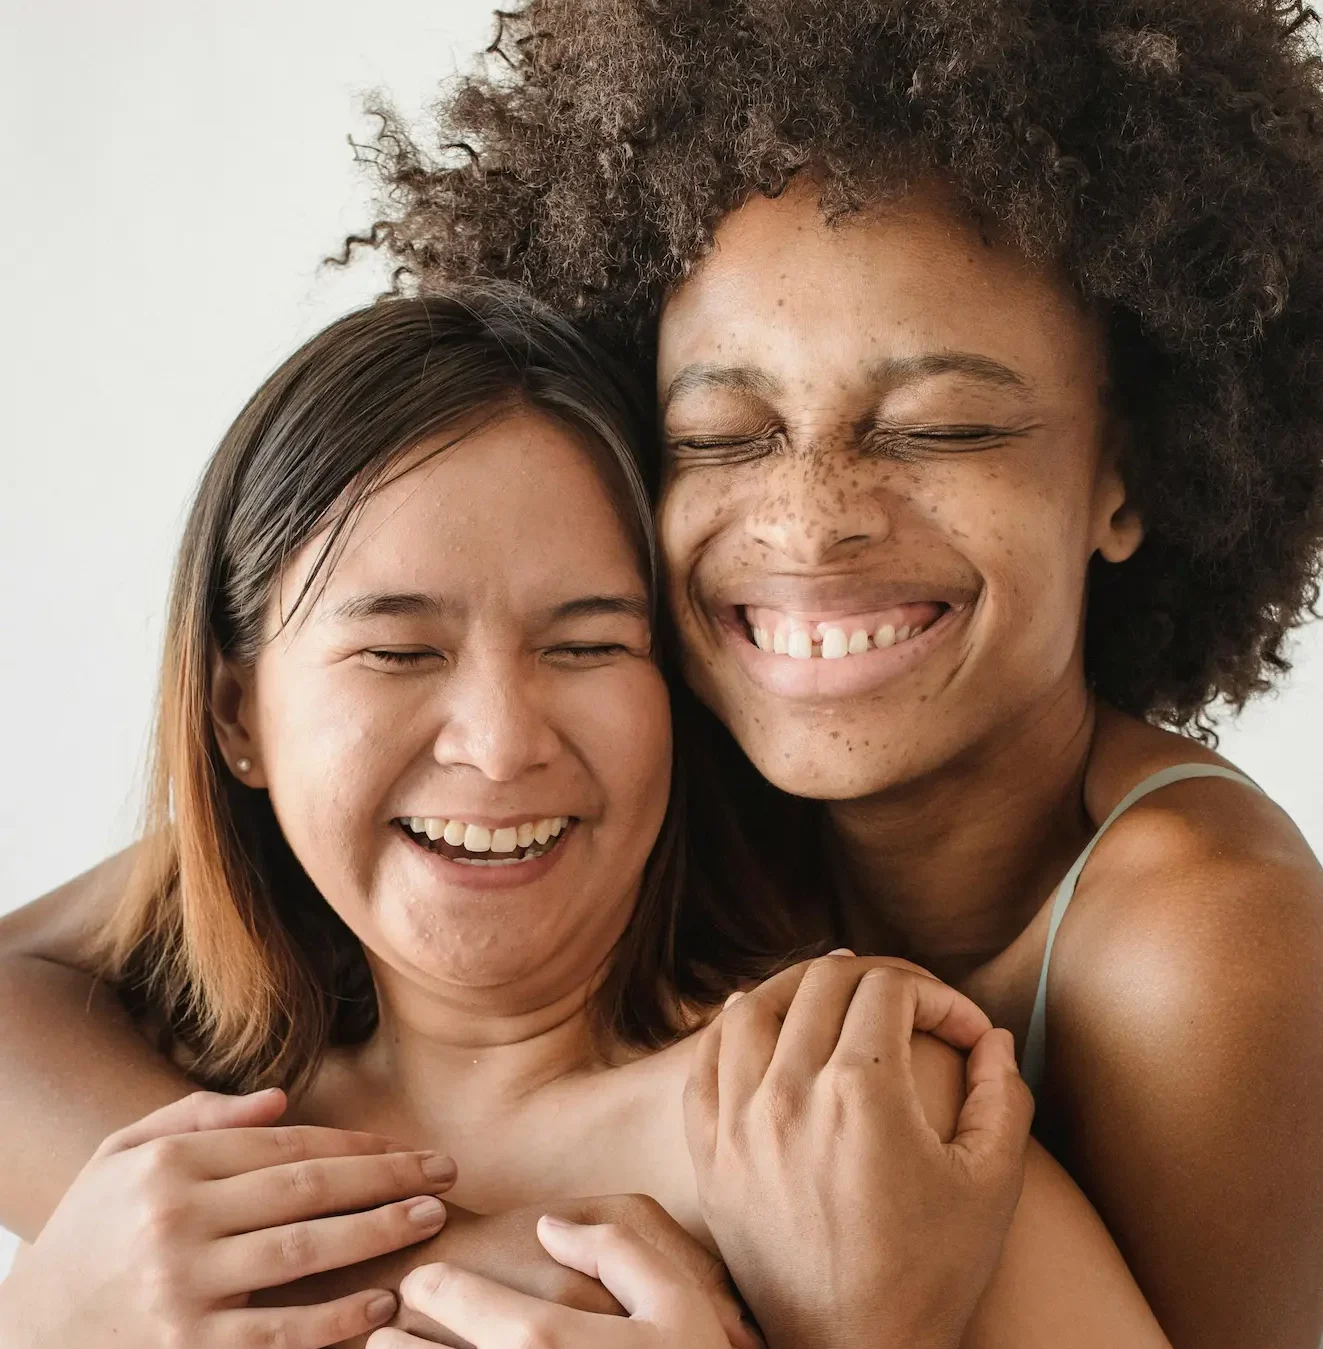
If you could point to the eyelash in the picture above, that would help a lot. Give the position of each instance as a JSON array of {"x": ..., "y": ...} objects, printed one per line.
[
  {"x": 742, "y": 450},
  {"x": 408, "y": 658},
  {"x": 589, "y": 652},
  {"x": 400, "y": 657},
  {"x": 896, "y": 442}
]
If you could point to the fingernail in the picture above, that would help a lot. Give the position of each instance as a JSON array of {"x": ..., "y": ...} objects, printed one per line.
[
  {"x": 841, "y": 951},
  {"x": 426, "y": 1212},
  {"x": 560, "y": 1223},
  {"x": 437, "y": 1167},
  {"x": 381, "y": 1308}
]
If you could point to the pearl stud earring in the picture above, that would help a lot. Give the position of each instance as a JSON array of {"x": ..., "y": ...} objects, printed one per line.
[{"x": 243, "y": 765}]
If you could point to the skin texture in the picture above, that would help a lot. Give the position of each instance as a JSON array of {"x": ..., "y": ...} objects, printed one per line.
[
  {"x": 484, "y": 1038},
  {"x": 951, "y": 826},
  {"x": 959, "y": 790}
]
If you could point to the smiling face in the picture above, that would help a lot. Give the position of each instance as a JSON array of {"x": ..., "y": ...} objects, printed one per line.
[
  {"x": 465, "y": 738},
  {"x": 887, "y": 468}
]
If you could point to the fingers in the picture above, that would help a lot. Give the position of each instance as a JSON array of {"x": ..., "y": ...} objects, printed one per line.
[
  {"x": 202, "y": 1110},
  {"x": 492, "y": 1316},
  {"x": 322, "y": 1186},
  {"x": 220, "y": 1153},
  {"x": 993, "y": 1127},
  {"x": 701, "y": 1102},
  {"x": 815, "y": 1016},
  {"x": 635, "y": 1273},
  {"x": 279, "y": 1255},
  {"x": 751, "y": 1026},
  {"x": 895, "y": 1002},
  {"x": 314, "y": 1327}
]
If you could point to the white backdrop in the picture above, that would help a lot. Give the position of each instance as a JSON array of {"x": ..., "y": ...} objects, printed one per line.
[{"x": 173, "y": 175}]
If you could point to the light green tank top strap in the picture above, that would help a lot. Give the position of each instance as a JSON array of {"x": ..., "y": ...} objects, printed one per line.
[{"x": 1033, "y": 1059}]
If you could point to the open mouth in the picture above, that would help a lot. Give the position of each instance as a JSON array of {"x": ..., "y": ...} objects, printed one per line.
[
  {"x": 839, "y": 636},
  {"x": 475, "y": 845}
]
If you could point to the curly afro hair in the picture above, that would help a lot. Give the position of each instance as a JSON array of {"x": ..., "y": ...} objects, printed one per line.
[{"x": 1169, "y": 153}]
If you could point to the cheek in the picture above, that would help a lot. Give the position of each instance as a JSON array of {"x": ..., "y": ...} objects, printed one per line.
[
  {"x": 630, "y": 748},
  {"x": 327, "y": 746}
]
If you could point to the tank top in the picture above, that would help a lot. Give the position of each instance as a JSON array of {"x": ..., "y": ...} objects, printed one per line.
[{"x": 1033, "y": 1059}]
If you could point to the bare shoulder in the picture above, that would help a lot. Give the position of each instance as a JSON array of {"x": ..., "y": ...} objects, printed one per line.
[
  {"x": 1185, "y": 1015},
  {"x": 1201, "y": 910},
  {"x": 57, "y": 926},
  {"x": 1203, "y": 885}
]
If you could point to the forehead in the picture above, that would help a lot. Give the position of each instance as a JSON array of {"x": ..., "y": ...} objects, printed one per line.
[
  {"x": 515, "y": 510},
  {"x": 782, "y": 289}
]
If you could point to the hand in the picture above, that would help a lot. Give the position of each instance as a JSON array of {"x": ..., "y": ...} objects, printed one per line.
[
  {"x": 844, "y": 1218},
  {"x": 666, "y": 1310},
  {"x": 505, "y": 1248},
  {"x": 178, "y": 1218}
]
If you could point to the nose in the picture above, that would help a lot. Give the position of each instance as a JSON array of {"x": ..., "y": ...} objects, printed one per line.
[
  {"x": 815, "y": 510},
  {"x": 496, "y": 723}
]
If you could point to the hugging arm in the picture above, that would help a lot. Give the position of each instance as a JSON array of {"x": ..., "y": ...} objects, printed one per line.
[
  {"x": 860, "y": 1197},
  {"x": 72, "y": 1067}
]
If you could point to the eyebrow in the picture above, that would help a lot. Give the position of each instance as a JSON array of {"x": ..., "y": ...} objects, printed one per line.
[
  {"x": 593, "y": 606},
  {"x": 894, "y": 370},
  {"x": 904, "y": 369},
  {"x": 415, "y": 604},
  {"x": 742, "y": 378},
  {"x": 387, "y": 604}
]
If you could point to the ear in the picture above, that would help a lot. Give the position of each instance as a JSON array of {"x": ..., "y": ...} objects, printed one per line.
[
  {"x": 1118, "y": 529},
  {"x": 233, "y": 719}
]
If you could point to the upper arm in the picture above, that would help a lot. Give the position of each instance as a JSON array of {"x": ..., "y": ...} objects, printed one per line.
[
  {"x": 72, "y": 1067},
  {"x": 1060, "y": 1279},
  {"x": 1186, "y": 1060},
  {"x": 59, "y": 925}
]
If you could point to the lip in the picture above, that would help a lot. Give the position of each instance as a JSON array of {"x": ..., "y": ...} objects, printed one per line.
[
  {"x": 819, "y": 680},
  {"x": 467, "y": 877},
  {"x": 492, "y": 822},
  {"x": 836, "y": 595}
]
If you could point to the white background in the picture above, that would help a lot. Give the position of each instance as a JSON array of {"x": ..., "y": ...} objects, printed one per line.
[{"x": 173, "y": 174}]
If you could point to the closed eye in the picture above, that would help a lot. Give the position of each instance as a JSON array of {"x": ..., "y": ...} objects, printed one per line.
[
  {"x": 599, "y": 652},
  {"x": 402, "y": 659},
  {"x": 911, "y": 440},
  {"x": 713, "y": 450}
]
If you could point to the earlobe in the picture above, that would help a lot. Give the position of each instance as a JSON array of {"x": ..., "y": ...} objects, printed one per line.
[
  {"x": 231, "y": 720},
  {"x": 1122, "y": 535}
]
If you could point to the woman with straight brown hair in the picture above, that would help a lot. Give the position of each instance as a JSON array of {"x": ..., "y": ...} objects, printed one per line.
[{"x": 416, "y": 860}]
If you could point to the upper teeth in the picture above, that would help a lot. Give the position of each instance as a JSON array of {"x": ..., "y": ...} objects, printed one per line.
[
  {"x": 478, "y": 838},
  {"x": 830, "y": 642}
]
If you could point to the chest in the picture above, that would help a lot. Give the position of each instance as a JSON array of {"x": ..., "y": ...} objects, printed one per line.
[{"x": 619, "y": 1130}]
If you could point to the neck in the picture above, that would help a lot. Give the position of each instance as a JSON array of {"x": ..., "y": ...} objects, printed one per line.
[
  {"x": 451, "y": 1065},
  {"x": 948, "y": 869}
]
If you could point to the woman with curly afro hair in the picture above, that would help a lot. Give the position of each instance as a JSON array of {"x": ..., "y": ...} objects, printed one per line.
[{"x": 988, "y": 350}]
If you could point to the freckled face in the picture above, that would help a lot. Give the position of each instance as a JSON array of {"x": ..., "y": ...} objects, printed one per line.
[
  {"x": 481, "y": 654},
  {"x": 886, "y": 473}
]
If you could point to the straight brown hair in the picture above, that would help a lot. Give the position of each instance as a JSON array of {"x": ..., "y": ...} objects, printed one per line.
[{"x": 222, "y": 938}]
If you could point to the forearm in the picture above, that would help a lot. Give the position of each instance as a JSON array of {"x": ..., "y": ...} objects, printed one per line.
[
  {"x": 72, "y": 1070},
  {"x": 1060, "y": 1279}
]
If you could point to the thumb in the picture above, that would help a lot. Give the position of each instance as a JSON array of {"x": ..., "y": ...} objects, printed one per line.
[
  {"x": 632, "y": 1270},
  {"x": 197, "y": 1113},
  {"x": 992, "y": 1130}
]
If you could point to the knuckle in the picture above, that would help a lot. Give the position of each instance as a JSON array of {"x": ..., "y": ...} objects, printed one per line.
[
  {"x": 536, "y": 1333},
  {"x": 271, "y": 1335},
  {"x": 308, "y": 1181},
  {"x": 296, "y": 1246},
  {"x": 847, "y": 1078},
  {"x": 290, "y": 1141},
  {"x": 162, "y": 1156}
]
